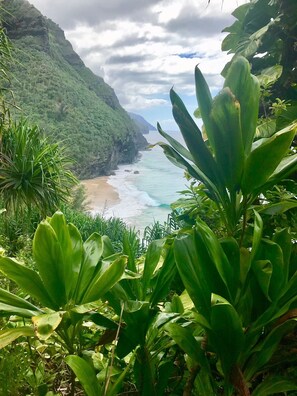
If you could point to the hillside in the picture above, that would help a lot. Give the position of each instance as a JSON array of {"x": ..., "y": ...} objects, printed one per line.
[
  {"x": 143, "y": 125},
  {"x": 55, "y": 89}
]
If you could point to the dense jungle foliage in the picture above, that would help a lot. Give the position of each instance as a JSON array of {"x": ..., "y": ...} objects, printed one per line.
[
  {"x": 54, "y": 89},
  {"x": 207, "y": 308}
]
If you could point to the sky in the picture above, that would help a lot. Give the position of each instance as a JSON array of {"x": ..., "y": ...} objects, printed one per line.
[{"x": 142, "y": 48}]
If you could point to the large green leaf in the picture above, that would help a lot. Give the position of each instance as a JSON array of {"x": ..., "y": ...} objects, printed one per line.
[
  {"x": 71, "y": 248},
  {"x": 85, "y": 374},
  {"x": 264, "y": 350},
  {"x": 93, "y": 249},
  {"x": 228, "y": 143},
  {"x": 193, "y": 170},
  {"x": 197, "y": 270},
  {"x": 246, "y": 89},
  {"x": 152, "y": 258},
  {"x": 27, "y": 279},
  {"x": 205, "y": 104},
  {"x": 265, "y": 157},
  {"x": 193, "y": 138},
  {"x": 105, "y": 280},
  {"x": 138, "y": 316},
  {"x": 226, "y": 334},
  {"x": 205, "y": 238},
  {"x": 9, "y": 335},
  {"x": 285, "y": 169},
  {"x": 19, "y": 305},
  {"x": 49, "y": 260},
  {"x": 269, "y": 75},
  {"x": 188, "y": 343},
  {"x": 165, "y": 276},
  {"x": 175, "y": 144},
  {"x": 272, "y": 254}
]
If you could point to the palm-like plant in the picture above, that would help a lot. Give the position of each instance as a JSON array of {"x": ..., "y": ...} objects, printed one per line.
[{"x": 33, "y": 172}]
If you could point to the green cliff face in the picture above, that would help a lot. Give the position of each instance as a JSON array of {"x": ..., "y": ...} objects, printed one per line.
[{"x": 56, "y": 90}]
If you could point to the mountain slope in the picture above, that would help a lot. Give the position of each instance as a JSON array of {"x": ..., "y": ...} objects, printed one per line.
[
  {"x": 143, "y": 125},
  {"x": 55, "y": 89}
]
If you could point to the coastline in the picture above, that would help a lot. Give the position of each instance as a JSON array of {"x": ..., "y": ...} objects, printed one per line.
[{"x": 101, "y": 196}]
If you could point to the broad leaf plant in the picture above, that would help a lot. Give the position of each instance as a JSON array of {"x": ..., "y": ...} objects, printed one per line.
[{"x": 243, "y": 286}]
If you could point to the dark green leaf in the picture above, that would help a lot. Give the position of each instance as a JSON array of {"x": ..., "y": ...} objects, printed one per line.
[{"x": 85, "y": 374}]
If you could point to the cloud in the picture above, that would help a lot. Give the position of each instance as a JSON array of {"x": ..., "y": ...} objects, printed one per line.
[
  {"x": 95, "y": 12},
  {"x": 144, "y": 47},
  {"x": 125, "y": 59},
  {"x": 191, "y": 23}
]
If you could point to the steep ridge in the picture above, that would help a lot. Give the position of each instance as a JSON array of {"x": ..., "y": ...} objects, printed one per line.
[{"x": 56, "y": 90}]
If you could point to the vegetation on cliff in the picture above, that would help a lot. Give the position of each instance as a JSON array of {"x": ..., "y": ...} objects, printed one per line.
[{"x": 57, "y": 91}]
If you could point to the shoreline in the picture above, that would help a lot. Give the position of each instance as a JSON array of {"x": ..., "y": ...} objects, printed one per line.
[{"x": 101, "y": 196}]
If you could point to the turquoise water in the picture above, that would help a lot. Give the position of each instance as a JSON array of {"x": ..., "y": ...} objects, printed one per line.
[{"x": 147, "y": 187}]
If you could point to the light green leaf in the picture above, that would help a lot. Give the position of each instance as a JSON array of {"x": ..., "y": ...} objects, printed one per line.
[
  {"x": 46, "y": 324},
  {"x": 246, "y": 89},
  {"x": 227, "y": 137},
  {"x": 205, "y": 104},
  {"x": 71, "y": 247},
  {"x": 49, "y": 258},
  {"x": 277, "y": 208},
  {"x": 266, "y": 128},
  {"x": 9, "y": 335},
  {"x": 269, "y": 75}
]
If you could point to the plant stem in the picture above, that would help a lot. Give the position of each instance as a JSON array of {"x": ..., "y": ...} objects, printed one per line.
[
  {"x": 190, "y": 381},
  {"x": 244, "y": 221},
  {"x": 238, "y": 382}
]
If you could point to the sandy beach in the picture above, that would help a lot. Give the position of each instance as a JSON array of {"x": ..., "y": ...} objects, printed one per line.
[{"x": 101, "y": 196}]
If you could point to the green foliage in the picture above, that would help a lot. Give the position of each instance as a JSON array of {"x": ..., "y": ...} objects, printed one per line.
[
  {"x": 233, "y": 169},
  {"x": 264, "y": 33},
  {"x": 242, "y": 285}
]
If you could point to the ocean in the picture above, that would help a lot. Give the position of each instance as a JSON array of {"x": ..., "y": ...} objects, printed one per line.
[{"x": 147, "y": 187}]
